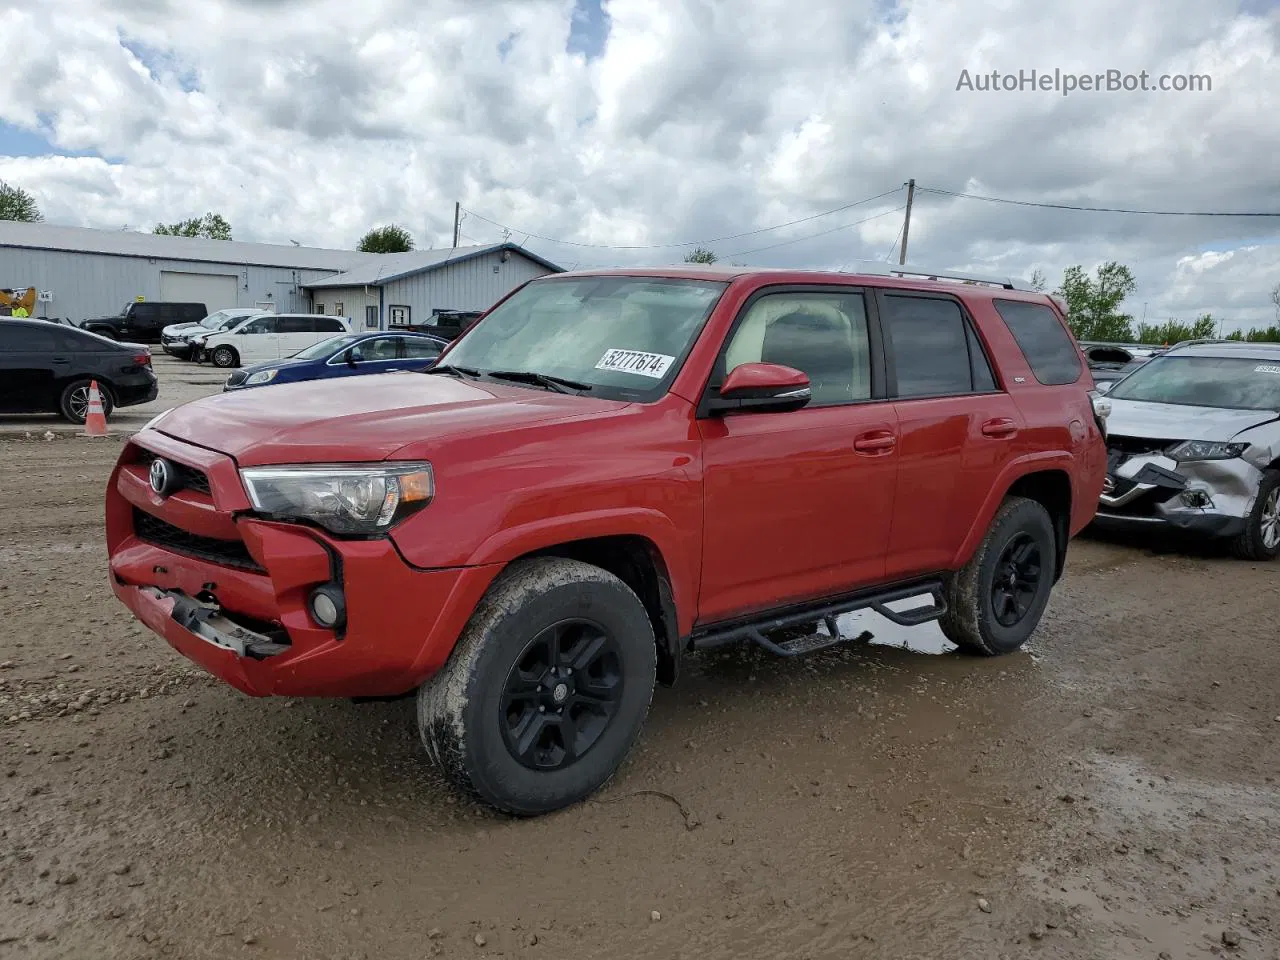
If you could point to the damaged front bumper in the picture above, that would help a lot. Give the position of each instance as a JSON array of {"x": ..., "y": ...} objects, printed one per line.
[{"x": 1207, "y": 497}]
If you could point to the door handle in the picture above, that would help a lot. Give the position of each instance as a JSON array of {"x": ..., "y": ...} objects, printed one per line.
[
  {"x": 61, "y": 359},
  {"x": 878, "y": 441},
  {"x": 999, "y": 428}
]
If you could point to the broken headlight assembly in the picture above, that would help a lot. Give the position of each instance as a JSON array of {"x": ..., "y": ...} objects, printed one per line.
[
  {"x": 1206, "y": 450},
  {"x": 360, "y": 500}
]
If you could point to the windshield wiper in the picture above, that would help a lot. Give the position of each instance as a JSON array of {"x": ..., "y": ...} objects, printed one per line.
[
  {"x": 459, "y": 371},
  {"x": 558, "y": 384}
]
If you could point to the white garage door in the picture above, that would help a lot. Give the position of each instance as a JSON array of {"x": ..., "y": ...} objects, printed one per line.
[{"x": 217, "y": 291}]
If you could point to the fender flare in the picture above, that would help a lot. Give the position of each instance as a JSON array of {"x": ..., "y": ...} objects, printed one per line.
[
  {"x": 1014, "y": 471},
  {"x": 511, "y": 543}
]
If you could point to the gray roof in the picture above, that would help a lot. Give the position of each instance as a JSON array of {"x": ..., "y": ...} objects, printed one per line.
[
  {"x": 385, "y": 267},
  {"x": 127, "y": 243}
]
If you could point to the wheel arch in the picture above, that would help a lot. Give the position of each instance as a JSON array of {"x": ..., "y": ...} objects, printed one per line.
[
  {"x": 1045, "y": 479},
  {"x": 638, "y": 562}
]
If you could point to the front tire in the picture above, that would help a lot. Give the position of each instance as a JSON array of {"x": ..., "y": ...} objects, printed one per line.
[
  {"x": 225, "y": 357},
  {"x": 1261, "y": 538},
  {"x": 547, "y": 689},
  {"x": 996, "y": 601}
]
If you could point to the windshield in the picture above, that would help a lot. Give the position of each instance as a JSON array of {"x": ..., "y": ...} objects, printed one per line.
[
  {"x": 324, "y": 347},
  {"x": 1233, "y": 383},
  {"x": 220, "y": 319},
  {"x": 625, "y": 337}
]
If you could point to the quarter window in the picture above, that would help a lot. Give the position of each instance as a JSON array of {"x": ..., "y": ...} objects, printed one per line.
[
  {"x": 822, "y": 334},
  {"x": 1043, "y": 341}
]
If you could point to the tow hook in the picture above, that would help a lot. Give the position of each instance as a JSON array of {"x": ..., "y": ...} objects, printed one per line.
[{"x": 207, "y": 621}]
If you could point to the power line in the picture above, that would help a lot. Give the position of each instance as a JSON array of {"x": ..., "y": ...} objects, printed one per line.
[
  {"x": 1068, "y": 206},
  {"x": 811, "y": 236},
  {"x": 689, "y": 243}
]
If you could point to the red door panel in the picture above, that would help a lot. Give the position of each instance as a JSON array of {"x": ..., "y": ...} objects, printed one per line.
[
  {"x": 950, "y": 452},
  {"x": 797, "y": 505}
]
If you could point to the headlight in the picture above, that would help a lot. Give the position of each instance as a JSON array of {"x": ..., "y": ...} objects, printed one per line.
[
  {"x": 346, "y": 499},
  {"x": 1206, "y": 450},
  {"x": 1102, "y": 407},
  {"x": 262, "y": 376}
]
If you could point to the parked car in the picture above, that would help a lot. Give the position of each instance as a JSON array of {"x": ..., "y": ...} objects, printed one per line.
[
  {"x": 60, "y": 321},
  {"x": 175, "y": 339},
  {"x": 1107, "y": 376},
  {"x": 445, "y": 324},
  {"x": 142, "y": 322},
  {"x": 267, "y": 336},
  {"x": 47, "y": 368},
  {"x": 1194, "y": 445},
  {"x": 610, "y": 471},
  {"x": 347, "y": 355}
]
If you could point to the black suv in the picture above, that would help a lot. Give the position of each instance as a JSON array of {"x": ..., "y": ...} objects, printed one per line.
[
  {"x": 142, "y": 322},
  {"x": 47, "y": 368}
]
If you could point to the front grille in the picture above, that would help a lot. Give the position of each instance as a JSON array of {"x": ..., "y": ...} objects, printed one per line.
[
  {"x": 189, "y": 478},
  {"x": 227, "y": 553},
  {"x": 1136, "y": 446}
]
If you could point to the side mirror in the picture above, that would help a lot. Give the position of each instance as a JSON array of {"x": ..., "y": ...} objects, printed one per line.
[
  {"x": 354, "y": 356},
  {"x": 762, "y": 388}
]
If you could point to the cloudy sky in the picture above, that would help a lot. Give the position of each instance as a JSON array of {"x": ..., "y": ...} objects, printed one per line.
[{"x": 599, "y": 130}]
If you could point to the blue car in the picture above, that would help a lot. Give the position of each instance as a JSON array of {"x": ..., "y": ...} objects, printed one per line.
[{"x": 347, "y": 355}]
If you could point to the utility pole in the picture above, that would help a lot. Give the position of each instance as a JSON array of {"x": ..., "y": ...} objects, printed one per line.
[
  {"x": 457, "y": 221},
  {"x": 906, "y": 224}
]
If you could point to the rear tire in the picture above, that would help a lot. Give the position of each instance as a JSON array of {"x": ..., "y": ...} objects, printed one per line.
[
  {"x": 1261, "y": 538},
  {"x": 546, "y": 691},
  {"x": 996, "y": 601},
  {"x": 74, "y": 402},
  {"x": 225, "y": 357}
]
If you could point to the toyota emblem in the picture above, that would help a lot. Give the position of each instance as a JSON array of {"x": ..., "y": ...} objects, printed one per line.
[{"x": 161, "y": 476}]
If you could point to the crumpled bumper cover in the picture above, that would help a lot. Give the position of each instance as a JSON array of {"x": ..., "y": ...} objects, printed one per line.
[{"x": 1207, "y": 497}]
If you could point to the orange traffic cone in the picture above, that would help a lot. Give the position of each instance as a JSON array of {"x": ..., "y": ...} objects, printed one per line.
[{"x": 95, "y": 421}]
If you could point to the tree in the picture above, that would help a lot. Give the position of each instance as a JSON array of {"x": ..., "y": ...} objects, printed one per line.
[
  {"x": 211, "y": 226},
  {"x": 701, "y": 255},
  {"x": 1093, "y": 303},
  {"x": 1175, "y": 331},
  {"x": 17, "y": 204},
  {"x": 389, "y": 239},
  {"x": 1038, "y": 281}
]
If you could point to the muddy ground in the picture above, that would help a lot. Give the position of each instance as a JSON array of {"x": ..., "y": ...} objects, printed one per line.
[{"x": 1109, "y": 793}]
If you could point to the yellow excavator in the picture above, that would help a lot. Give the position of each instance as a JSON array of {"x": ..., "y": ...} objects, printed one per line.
[{"x": 13, "y": 300}]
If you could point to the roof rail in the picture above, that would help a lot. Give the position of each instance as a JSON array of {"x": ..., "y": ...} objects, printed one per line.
[
  {"x": 1193, "y": 343},
  {"x": 911, "y": 270}
]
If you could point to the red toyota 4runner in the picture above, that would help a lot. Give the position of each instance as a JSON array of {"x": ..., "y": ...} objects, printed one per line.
[{"x": 608, "y": 471}]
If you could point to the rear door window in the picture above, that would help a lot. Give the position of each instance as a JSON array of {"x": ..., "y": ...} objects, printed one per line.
[
  {"x": 420, "y": 347},
  {"x": 295, "y": 324},
  {"x": 1043, "y": 340},
  {"x": 20, "y": 338},
  {"x": 931, "y": 347}
]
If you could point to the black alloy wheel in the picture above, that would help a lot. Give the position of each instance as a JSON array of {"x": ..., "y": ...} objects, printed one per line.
[
  {"x": 1016, "y": 582},
  {"x": 561, "y": 694}
]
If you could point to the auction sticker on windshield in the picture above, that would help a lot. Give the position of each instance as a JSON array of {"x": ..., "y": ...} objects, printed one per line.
[{"x": 653, "y": 365}]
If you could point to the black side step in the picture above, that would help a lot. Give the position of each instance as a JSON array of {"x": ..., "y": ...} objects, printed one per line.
[{"x": 757, "y": 631}]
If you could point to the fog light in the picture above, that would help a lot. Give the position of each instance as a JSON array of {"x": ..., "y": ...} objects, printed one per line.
[
  {"x": 1196, "y": 498},
  {"x": 328, "y": 607}
]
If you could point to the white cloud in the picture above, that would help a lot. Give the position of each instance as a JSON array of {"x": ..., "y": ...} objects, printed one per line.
[{"x": 314, "y": 119}]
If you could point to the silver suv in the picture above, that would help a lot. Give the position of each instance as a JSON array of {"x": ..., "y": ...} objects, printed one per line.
[{"x": 1194, "y": 444}]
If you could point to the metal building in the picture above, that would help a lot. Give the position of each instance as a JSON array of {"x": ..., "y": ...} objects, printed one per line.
[
  {"x": 402, "y": 288},
  {"x": 83, "y": 273}
]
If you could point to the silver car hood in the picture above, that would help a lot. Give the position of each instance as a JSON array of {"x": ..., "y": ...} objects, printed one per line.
[{"x": 1171, "y": 421}]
